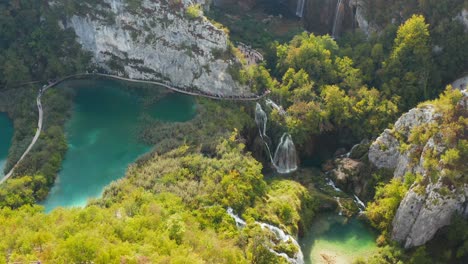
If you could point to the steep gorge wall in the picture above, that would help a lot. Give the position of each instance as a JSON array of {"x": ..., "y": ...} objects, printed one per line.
[
  {"x": 319, "y": 16},
  {"x": 156, "y": 40}
]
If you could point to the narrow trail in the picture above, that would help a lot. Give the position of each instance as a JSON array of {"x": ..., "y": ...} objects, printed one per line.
[
  {"x": 33, "y": 142},
  {"x": 74, "y": 76}
]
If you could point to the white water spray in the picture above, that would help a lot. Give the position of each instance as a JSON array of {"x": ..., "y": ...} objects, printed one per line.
[
  {"x": 239, "y": 221},
  {"x": 338, "y": 16},
  {"x": 332, "y": 184},
  {"x": 285, "y": 159},
  {"x": 360, "y": 203},
  {"x": 273, "y": 105},
  {"x": 339, "y": 205},
  {"x": 261, "y": 119},
  {"x": 280, "y": 235},
  {"x": 300, "y": 8}
]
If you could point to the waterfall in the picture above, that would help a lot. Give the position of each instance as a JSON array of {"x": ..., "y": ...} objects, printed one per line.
[
  {"x": 299, "y": 258},
  {"x": 273, "y": 105},
  {"x": 360, "y": 203},
  {"x": 284, "y": 160},
  {"x": 300, "y": 8},
  {"x": 332, "y": 184},
  {"x": 261, "y": 119},
  {"x": 280, "y": 235},
  {"x": 339, "y": 205},
  {"x": 337, "y": 17},
  {"x": 285, "y": 155},
  {"x": 239, "y": 221}
]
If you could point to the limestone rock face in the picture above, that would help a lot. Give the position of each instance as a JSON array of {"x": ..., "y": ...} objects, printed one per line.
[
  {"x": 419, "y": 217},
  {"x": 158, "y": 41},
  {"x": 424, "y": 210},
  {"x": 384, "y": 152}
]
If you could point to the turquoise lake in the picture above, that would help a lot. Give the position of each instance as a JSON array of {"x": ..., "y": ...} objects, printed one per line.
[
  {"x": 6, "y": 135},
  {"x": 335, "y": 239},
  {"x": 102, "y": 138}
]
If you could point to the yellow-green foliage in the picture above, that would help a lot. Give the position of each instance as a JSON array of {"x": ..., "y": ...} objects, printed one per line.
[
  {"x": 169, "y": 208},
  {"x": 19, "y": 191},
  {"x": 194, "y": 11},
  {"x": 323, "y": 91},
  {"x": 449, "y": 130},
  {"x": 143, "y": 228},
  {"x": 286, "y": 205},
  {"x": 387, "y": 199}
]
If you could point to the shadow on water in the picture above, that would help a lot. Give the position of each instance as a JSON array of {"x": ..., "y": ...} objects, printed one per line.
[{"x": 6, "y": 135}]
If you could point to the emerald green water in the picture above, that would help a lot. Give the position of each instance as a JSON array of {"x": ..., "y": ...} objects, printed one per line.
[
  {"x": 102, "y": 139},
  {"x": 6, "y": 134},
  {"x": 334, "y": 239}
]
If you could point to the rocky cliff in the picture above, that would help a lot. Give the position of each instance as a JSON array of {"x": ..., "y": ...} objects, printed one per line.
[
  {"x": 429, "y": 142},
  {"x": 156, "y": 40}
]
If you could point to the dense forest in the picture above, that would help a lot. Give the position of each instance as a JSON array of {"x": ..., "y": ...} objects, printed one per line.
[
  {"x": 33, "y": 46},
  {"x": 171, "y": 205}
]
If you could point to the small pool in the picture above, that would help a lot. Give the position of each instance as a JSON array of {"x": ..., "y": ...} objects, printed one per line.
[{"x": 335, "y": 239}]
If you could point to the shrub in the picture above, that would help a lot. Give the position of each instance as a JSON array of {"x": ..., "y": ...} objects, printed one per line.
[{"x": 194, "y": 11}]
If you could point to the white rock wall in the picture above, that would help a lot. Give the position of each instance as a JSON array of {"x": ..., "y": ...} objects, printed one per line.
[{"x": 159, "y": 42}]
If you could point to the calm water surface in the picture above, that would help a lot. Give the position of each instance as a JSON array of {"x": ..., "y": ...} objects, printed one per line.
[
  {"x": 102, "y": 139},
  {"x": 334, "y": 239},
  {"x": 6, "y": 135}
]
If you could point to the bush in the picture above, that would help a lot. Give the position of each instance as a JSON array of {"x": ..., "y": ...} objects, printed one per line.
[{"x": 194, "y": 11}]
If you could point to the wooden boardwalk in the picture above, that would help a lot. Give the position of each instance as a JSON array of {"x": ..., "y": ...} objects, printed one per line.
[
  {"x": 76, "y": 76},
  {"x": 163, "y": 84}
]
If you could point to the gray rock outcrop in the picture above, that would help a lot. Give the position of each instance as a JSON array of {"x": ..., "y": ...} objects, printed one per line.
[
  {"x": 420, "y": 216},
  {"x": 384, "y": 152},
  {"x": 158, "y": 41},
  {"x": 425, "y": 208}
]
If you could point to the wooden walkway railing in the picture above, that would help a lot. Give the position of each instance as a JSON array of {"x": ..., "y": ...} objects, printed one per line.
[
  {"x": 167, "y": 85},
  {"x": 75, "y": 76}
]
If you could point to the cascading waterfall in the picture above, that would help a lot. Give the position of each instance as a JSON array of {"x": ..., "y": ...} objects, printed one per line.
[
  {"x": 332, "y": 184},
  {"x": 361, "y": 204},
  {"x": 239, "y": 221},
  {"x": 358, "y": 201},
  {"x": 285, "y": 159},
  {"x": 339, "y": 205},
  {"x": 300, "y": 8},
  {"x": 273, "y": 105},
  {"x": 280, "y": 235},
  {"x": 261, "y": 119},
  {"x": 338, "y": 15}
]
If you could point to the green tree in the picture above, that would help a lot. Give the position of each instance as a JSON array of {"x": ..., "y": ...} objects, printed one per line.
[
  {"x": 386, "y": 201},
  {"x": 406, "y": 72}
]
